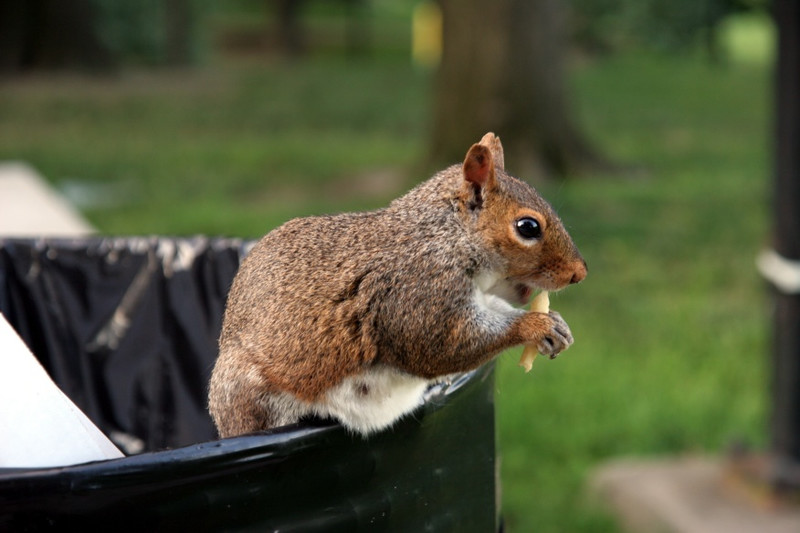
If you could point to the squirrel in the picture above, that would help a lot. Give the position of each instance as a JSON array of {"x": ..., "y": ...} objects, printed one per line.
[{"x": 352, "y": 316}]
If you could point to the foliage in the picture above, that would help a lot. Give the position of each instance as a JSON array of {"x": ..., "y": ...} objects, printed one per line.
[
  {"x": 603, "y": 25},
  {"x": 140, "y": 32},
  {"x": 99, "y": 35}
]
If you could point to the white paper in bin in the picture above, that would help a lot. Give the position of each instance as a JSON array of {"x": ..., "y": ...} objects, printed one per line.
[{"x": 39, "y": 424}]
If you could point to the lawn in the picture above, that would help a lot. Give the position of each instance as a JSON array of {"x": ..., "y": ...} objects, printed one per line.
[
  {"x": 671, "y": 323},
  {"x": 671, "y": 355}
]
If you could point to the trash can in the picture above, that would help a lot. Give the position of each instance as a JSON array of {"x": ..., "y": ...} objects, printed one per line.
[{"x": 127, "y": 328}]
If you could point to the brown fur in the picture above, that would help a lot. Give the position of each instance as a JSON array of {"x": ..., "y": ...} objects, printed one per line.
[{"x": 323, "y": 298}]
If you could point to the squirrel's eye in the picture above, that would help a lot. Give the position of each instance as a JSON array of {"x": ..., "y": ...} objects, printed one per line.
[{"x": 528, "y": 228}]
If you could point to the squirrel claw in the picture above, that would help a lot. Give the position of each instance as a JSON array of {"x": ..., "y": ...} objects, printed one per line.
[{"x": 558, "y": 339}]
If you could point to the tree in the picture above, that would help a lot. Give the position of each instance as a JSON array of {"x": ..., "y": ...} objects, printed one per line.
[
  {"x": 96, "y": 35},
  {"x": 48, "y": 34},
  {"x": 178, "y": 35},
  {"x": 503, "y": 70},
  {"x": 292, "y": 39}
]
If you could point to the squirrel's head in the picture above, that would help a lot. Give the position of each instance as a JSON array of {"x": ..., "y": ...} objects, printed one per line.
[{"x": 519, "y": 225}]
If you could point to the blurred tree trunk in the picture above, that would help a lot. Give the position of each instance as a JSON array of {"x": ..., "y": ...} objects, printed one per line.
[
  {"x": 291, "y": 39},
  {"x": 503, "y": 70},
  {"x": 179, "y": 29},
  {"x": 50, "y": 34}
]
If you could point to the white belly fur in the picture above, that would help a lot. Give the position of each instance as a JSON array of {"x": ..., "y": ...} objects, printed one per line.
[{"x": 374, "y": 400}]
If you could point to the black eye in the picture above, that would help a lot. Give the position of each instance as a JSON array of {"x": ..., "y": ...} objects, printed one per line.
[{"x": 528, "y": 228}]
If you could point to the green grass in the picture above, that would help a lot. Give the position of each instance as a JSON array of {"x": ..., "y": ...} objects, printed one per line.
[
  {"x": 228, "y": 137},
  {"x": 671, "y": 324}
]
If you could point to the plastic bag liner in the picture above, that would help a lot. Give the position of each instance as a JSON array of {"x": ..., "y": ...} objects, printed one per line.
[{"x": 127, "y": 327}]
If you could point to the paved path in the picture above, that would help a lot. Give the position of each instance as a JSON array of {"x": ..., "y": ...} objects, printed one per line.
[
  {"x": 685, "y": 495},
  {"x": 29, "y": 207}
]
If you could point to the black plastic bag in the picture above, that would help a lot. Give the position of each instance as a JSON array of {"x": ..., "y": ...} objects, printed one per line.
[{"x": 127, "y": 328}]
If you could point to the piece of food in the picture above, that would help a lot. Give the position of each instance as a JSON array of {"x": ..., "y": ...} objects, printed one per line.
[{"x": 540, "y": 304}]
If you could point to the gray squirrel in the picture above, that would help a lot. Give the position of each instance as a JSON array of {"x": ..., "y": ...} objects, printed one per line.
[{"x": 352, "y": 316}]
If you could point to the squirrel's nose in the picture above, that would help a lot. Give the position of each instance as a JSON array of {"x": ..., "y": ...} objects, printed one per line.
[{"x": 580, "y": 272}]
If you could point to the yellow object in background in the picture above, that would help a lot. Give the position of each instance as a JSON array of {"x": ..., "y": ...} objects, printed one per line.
[{"x": 426, "y": 34}]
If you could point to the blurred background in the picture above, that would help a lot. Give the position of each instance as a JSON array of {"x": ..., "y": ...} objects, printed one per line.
[{"x": 646, "y": 123}]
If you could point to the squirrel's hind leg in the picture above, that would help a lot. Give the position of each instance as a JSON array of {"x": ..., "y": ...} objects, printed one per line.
[{"x": 252, "y": 415}]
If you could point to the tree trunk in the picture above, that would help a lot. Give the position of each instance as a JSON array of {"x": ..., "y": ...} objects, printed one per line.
[
  {"x": 179, "y": 26},
  {"x": 50, "y": 35},
  {"x": 503, "y": 70},
  {"x": 290, "y": 32}
]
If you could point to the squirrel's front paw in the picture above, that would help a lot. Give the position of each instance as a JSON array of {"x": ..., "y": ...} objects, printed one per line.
[{"x": 557, "y": 339}]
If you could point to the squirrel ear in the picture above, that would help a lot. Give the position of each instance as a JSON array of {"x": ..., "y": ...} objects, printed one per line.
[
  {"x": 492, "y": 142},
  {"x": 479, "y": 166}
]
